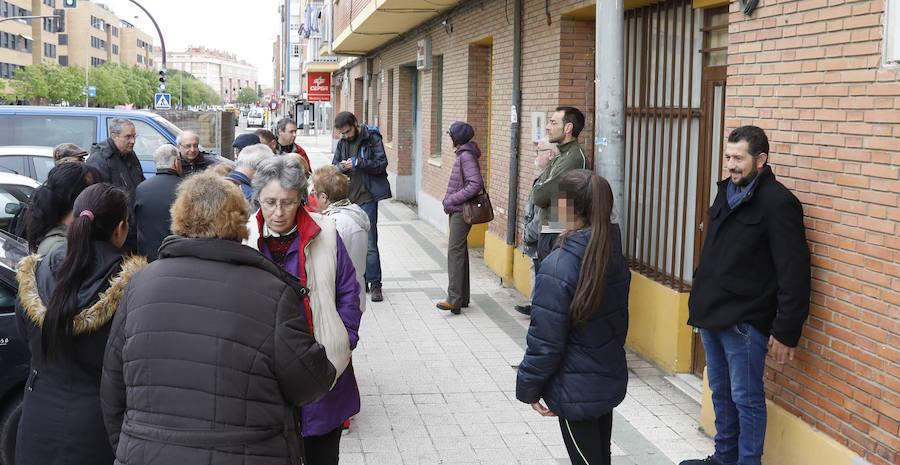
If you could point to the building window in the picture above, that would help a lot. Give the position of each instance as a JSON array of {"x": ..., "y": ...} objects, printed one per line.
[
  {"x": 50, "y": 50},
  {"x": 8, "y": 70},
  {"x": 64, "y": 60},
  {"x": 98, "y": 43},
  {"x": 390, "y": 105},
  {"x": 140, "y": 59},
  {"x": 50, "y": 3},
  {"x": 115, "y": 31},
  {"x": 63, "y": 39},
  {"x": 97, "y": 61},
  {"x": 48, "y": 24},
  {"x": 98, "y": 23},
  {"x": 115, "y": 49}
]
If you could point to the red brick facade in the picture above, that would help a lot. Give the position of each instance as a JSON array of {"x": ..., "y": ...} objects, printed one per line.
[{"x": 809, "y": 73}]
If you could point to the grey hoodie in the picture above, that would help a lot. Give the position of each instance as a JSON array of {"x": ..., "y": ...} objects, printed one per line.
[{"x": 353, "y": 227}]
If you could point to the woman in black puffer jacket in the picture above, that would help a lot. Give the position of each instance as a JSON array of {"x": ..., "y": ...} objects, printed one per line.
[
  {"x": 210, "y": 353},
  {"x": 575, "y": 358}
]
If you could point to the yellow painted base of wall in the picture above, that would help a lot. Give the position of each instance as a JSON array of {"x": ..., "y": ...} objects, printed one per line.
[
  {"x": 657, "y": 324},
  {"x": 788, "y": 438},
  {"x": 522, "y": 272},
  {"x": 476, "y": 235},
  {"x": 498, "y": 256}
]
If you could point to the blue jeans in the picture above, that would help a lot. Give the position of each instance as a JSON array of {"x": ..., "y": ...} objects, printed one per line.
[
  {"x": 373, "y": 259},
  {"x": 735, "y": 362}
]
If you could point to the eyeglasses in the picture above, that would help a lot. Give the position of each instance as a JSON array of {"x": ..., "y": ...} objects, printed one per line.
[
  {"x": 272, "y": 204},
  {"x": 190, "y": 146},
  {"x": 128, "y": 137}
]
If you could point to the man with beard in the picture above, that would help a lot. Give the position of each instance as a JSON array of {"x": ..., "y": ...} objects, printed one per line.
[
  {"x": 750, "y": 293},
  {"x": 563, "y": 129}
]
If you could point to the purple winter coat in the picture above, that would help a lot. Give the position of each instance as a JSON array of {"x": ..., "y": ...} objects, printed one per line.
[
  {"x": 457, "y": 193},
  {"x": 342, "y": 402}
]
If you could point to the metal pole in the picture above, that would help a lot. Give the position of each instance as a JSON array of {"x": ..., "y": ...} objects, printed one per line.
[
  {"x": 162, "y": 42},
  {"x": 87, "y": 64},
  {"x": 514, "y": 129},
  {"x": 609, "y": 97}
]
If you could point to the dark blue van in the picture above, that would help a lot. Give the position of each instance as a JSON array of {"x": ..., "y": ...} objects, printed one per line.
[{"x": 49, "y": 126}]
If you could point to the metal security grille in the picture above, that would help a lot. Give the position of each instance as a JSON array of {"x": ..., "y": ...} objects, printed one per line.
[{"x": 662, "y": 121}]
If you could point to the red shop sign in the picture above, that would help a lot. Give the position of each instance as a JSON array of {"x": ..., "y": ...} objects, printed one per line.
[{"x": 318, "y": 87}]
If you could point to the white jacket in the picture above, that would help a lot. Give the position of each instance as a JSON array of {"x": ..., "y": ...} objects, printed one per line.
[{"x": 353, "y": 227}]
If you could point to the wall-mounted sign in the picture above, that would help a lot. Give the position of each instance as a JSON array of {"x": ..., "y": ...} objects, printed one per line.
[
  {"x": 423, "y": 54},
  {"x": 318, "y": 87}
]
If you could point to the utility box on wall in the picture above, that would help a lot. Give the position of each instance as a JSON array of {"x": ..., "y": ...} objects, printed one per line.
[{"x": 423, "y": 54}]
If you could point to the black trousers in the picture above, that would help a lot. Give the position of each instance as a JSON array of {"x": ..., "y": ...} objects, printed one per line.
[
  {"x": 588, "y": 442},
  {"x": 324, "y": 449}
]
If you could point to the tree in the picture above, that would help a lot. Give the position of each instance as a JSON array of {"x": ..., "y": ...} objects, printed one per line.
[{"x": 247, "y": 96}]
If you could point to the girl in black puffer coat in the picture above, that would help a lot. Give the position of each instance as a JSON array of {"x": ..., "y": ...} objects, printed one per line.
[
  {"x": 575, "y": 358},
  {"x": 66, "y": 303}
]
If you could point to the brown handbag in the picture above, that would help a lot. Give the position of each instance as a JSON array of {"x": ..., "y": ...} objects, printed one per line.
[{"x": 478, "y": 209}]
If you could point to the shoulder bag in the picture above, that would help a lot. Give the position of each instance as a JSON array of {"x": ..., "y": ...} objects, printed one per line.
[{"x": 478, "y": 209}]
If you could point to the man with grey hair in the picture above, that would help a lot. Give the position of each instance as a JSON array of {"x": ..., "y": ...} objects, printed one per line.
[
  {"x": 192, "y": 161},
  {"x": 154, "y": 198},
  {"x": 118, "y": 165},
  {"x": 247, "y": 162}
]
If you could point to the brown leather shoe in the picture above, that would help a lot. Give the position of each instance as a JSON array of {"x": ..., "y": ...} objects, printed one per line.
[{"x": 446, "y": 306}]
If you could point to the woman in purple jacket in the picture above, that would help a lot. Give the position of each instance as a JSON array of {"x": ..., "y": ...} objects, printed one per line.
[
  {"x": 465, "y": 183},
  {"x": 308, "y": 246}
]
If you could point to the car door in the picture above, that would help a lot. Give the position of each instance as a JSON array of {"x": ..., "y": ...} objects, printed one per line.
[
  {"x": 14, "y": 354},
  {"x": 40, "y": 167}
]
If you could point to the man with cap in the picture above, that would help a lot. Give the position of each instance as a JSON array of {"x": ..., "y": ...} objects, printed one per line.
[
  {"x": 242, "y": 141},
  {"x": 465, "y": 182},
  {"x": 68, "y": 153},
  {"x": 360, "y": 155}
]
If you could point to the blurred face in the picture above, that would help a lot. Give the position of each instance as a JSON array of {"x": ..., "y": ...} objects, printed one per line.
[
  {"x": 542, "y": 157},
  {"x": 349, "y": 132},
  {"x": 322, "y": 200},
  {"x": 567, "y": 217},
  {"x": 742, "y": 166},
  {"x": 556, "y": 128},
  {"x": 189, "y": 146},
  {"x": 279, "y": 207},
  {"x": 287, "y": 135},
  {"x": 125, "y": 140}
]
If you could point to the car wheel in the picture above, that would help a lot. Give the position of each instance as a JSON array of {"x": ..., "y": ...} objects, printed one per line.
[{"x": 9, "y": 427}]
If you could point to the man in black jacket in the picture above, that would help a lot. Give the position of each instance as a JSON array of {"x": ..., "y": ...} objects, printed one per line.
[
  {"x": 154, "y": 198},
  {"x": 360, "y": 155},
  {"x": 192, "y": 161},
  {"x": 750, "y": 293},
  {"x": 119, "y": 166}
]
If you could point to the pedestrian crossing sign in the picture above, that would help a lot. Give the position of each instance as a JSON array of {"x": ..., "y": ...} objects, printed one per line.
[{"x": 163, "y": 102}]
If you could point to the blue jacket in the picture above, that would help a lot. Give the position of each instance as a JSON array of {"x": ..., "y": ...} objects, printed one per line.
[
  {"x": 579, "y": 370},
  {"x": 371, "y": 163}
]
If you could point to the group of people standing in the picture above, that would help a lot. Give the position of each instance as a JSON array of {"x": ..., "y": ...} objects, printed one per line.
[{"x": 234, "y": 343}]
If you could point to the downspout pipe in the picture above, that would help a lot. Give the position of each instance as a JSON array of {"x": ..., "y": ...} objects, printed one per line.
[
  {"x": 609, "y": 101},
  {"x": 515, "y": 128}
]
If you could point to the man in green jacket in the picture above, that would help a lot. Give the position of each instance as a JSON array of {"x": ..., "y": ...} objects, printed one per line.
[{"x": 563, "y": 129}]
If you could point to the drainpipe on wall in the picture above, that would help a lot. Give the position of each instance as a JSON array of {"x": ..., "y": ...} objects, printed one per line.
[
  {"x": 514, "y": 129},
  {"x": 609, "y": 102}
]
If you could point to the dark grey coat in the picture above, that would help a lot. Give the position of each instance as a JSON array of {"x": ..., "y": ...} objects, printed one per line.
[{"x": 207, "y": 358}]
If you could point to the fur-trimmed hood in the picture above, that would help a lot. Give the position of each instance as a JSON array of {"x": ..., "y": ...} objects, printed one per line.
[{"x": 90, "y": 318}]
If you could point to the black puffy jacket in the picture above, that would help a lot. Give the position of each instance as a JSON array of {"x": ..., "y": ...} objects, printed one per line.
[
  {"x": 208, "y": 357},
  {"x": 579, "y": 370},
  {"x": 122, "y": 170}
]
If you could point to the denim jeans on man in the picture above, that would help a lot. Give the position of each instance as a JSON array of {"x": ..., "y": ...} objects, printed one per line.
[
  {"x": 373, "y": 259},
  {"x": 735, "y": 362}
]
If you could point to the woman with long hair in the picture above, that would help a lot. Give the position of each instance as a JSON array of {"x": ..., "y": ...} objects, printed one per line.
[
  {"x": 66, "y": 302},
  {"x": 575, "y": 359},
  {"x": 50, "y": 210}
]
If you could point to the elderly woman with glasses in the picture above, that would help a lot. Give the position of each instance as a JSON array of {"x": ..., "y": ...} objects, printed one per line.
[{"x": 308, "y": 246}]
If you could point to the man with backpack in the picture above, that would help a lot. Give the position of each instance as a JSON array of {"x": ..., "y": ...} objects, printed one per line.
[{"x": 360, "y": 155}]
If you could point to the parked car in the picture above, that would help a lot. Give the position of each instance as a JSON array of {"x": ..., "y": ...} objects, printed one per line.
[
  {"x": 14, "y": 193},
  {"x": 27, "y": 160},
  {"x": 14, "y": 355},
  {"x": 49, "y": 126},
  {"x": 256, "y": 117}
]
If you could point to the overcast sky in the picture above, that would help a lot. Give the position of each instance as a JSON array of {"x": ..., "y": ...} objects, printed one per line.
[{"x": 244, "y": 28}]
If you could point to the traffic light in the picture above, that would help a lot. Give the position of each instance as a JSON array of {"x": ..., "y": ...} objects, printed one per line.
[
  {"x": 70, "y": 3},
  {"x": 59, "y": 20},
  {"x": 162, "y": 80}
]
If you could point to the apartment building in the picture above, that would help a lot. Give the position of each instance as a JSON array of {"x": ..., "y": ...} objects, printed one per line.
[
  {"x": 821, "y": 77},
  {"x": 26, "y": 42},
  {"x": 223, "y": 71},
  {"x": 135, "y": 46}
]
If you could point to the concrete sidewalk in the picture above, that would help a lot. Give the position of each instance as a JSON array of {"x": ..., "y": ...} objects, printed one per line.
[{"x": 438, "y": 388}]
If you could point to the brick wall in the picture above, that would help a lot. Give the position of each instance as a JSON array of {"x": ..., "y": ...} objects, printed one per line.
[{"x": 809, "y": 72}]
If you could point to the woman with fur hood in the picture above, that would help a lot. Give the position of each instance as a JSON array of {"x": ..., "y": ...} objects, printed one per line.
[{"x": 67, "y": 301}]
